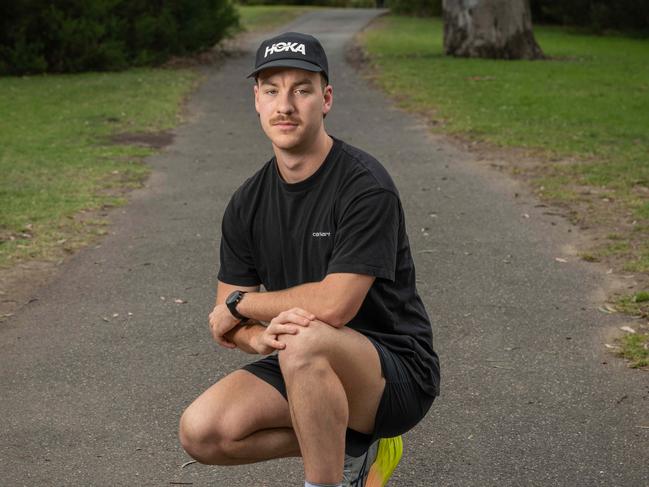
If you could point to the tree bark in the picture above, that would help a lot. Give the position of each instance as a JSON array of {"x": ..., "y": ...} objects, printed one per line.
[{"x": 497, "y": 29}]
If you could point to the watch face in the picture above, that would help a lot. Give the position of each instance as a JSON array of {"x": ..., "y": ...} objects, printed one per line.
[
  {"x": 231, "y": 302},
  {"x": 233, "y": 298}
]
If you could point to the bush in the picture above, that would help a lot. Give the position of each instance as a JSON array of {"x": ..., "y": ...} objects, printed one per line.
[
  {"x": 630, "y": 16},
  {"x": 323, "y": 3},
  {"x": 83, "y": 35},
  {"x": 597, "y": 15}
]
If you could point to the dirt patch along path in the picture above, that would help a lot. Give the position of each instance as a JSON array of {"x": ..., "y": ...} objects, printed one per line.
[
  {"x": 20, "y": 282},
  {"x": 96, "y": 372}
]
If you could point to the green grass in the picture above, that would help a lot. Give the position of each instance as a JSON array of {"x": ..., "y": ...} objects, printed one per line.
[
  {"x": 267, "y": 17},
  {"x": 583, "y": 114},
  {"x": 634, "y": 304},
  {"x": 591, "y": 100},
  {"x": 55, "y": 157},
  {"x": 638, "y": 263},
  {"x": 635, "y": 348}
]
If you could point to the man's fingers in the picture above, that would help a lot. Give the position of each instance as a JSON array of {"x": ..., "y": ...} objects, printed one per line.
[
  {"x": 301, "y": 312},
  {"x": 277, "y": 345},
  {"x": 269, "y": 337},
  {"x": 293, "y": 317},
  {"x": 224, "y": 343},
  {"x": 281, "y": 329},
  {"x": 271, "y": 341},
  {"x": 297, "y": 311}
]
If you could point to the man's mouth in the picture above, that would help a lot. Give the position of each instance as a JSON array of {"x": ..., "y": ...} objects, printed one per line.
[{"x": 285, "y": 124}]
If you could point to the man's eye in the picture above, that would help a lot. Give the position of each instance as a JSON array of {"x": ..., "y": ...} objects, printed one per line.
[
  {"x": 302, "y": 92},
  {"x": 271, "y": 92}
]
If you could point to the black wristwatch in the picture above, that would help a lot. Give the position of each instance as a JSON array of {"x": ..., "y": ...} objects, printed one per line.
[{"x": 232, "y": 301}]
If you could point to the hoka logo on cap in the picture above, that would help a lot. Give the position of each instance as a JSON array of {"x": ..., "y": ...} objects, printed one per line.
[
  {"x": 291, "y": 50},
  {"x": 285, "y": 46}
]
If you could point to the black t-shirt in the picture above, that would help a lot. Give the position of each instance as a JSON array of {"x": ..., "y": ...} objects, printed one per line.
[{"x": 346, "y": 217}]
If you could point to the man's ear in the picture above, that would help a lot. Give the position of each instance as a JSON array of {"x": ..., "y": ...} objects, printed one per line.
[
  {"x": 255, "y": 89},
  {"x": 328, "y": 99}
]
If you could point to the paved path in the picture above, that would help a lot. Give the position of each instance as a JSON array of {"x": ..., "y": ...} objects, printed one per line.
[{"x": 527, "y": 398}]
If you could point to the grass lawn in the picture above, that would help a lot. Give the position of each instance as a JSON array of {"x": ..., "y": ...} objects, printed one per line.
[
  {"x": 590, "y": 100},
  {"x": 56, "y": 160},
  {"x": 267, "y": 17},
  {"x": 55, "y": 156},
  {"x": 582, "y": 115}
]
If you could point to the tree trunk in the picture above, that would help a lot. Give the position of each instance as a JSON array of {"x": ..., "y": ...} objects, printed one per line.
[{"x": 497, "y": 29}]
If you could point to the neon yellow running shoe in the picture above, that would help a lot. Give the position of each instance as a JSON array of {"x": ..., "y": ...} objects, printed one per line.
[{"x": 375, "y": 468}]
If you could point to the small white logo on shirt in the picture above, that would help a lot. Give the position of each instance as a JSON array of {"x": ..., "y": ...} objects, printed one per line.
[
  {"x": 285, "y": 46},
  {"x": 321, "y": 234}
]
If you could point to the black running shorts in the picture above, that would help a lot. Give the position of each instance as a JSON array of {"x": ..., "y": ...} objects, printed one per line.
[{"x": 403, "y": 403}]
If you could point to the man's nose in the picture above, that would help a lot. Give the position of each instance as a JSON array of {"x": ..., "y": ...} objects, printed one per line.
[{"x": 285, "y": 103}]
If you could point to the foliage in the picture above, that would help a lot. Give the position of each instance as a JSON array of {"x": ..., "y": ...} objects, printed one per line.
[
  {"x": 597, "y": 15},
  {"x": 91, "y": 35},
  {"x": 324, "y": 3}
]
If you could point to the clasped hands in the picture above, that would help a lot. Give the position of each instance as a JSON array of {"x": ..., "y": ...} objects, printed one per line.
[{"x": 286, "y": 323}]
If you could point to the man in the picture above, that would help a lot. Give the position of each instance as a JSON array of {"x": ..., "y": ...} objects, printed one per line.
[{"x": 322, "y": 228}]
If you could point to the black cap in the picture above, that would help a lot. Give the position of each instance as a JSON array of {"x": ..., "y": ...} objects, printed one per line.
[{"x": 292, "y": 50}]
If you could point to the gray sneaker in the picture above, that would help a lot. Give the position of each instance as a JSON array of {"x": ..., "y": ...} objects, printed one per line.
[{"x": 375, "y": 467}]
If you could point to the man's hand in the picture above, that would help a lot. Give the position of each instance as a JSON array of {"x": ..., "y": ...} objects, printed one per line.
[
  {"x": 221, "y": 322},
  {"x": 286, "y": 323}
]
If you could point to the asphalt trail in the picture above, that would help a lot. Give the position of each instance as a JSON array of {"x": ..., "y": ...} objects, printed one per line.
[{"x": 96, "y": 372}]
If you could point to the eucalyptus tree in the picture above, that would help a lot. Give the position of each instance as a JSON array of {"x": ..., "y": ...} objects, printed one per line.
[{"x": 500, "y": 29}]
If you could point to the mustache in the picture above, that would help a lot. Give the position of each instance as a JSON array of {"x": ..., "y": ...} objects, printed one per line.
[{"x": 276, "y": 120}]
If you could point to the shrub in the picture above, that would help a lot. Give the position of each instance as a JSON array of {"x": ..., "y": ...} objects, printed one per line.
[
  {"x": 597, "y": 15},
  {"x": 323, "y": 3},
  {"x": 82, "y": 35}
]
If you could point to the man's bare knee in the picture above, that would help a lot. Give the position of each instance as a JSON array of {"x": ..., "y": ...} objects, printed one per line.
[
  {"x": 204, "y": 441},
  {"x": 305, "y": 349}
]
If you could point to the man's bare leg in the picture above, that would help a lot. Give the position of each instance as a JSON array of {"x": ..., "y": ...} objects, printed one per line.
[
  {"x": 318, "y": 406},
  {"x": 333, "y": 379},
  {"x": 240, "y": 419},
  {"x": 243, "y": 419}
]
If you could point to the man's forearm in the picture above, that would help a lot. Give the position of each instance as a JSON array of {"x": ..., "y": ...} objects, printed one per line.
[
  {"x": 265, "y": 306},
  {"x": 243, "y": 335},
  {"x": 335, "y": 300}
]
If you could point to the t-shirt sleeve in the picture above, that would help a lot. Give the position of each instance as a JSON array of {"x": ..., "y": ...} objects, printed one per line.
[
  {"x": 366, "y": 236},
  {"x": 237, "y": 262}
]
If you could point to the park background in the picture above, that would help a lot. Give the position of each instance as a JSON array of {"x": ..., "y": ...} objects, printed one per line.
[
  {"x": 88, "y": 89},
  {"x": 525, "y": 188}
]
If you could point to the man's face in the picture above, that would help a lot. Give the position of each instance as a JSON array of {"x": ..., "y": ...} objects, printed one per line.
[{"x": 291, "y": 104}]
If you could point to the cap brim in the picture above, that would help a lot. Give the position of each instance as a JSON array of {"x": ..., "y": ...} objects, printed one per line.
[{"x": 287, "y": 63}]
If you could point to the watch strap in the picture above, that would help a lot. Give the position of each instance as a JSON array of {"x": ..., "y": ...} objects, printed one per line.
[{"x": 232, "y": 302}]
